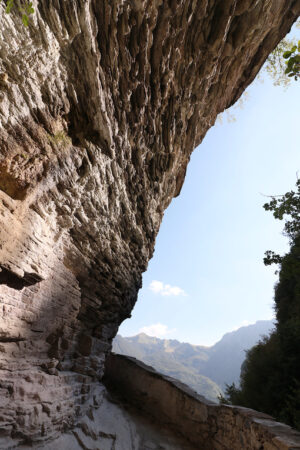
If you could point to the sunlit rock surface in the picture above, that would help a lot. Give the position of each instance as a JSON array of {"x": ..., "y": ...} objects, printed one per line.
[{"x": 101, "y": 105}]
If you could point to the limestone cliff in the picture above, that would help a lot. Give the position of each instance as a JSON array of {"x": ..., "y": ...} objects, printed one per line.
[{"x": 101, "y": 105}]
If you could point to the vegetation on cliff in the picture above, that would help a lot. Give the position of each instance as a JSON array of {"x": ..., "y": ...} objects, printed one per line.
[
  {"x": 24, "y": 8},
  {"x": 283, "y": 64}
]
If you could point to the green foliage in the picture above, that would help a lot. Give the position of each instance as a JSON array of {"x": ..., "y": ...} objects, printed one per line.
[
  {"x": 275, "y": 65},
  {"x": 271, "y": 258},
  {"x": 232, "y": 395},
  {"x": 292, "y": 58},
  {"x": 60, "y": 138},
  {"x": 24, "y": 7},
  {"x": 270, "y": 376},
  {"x": 287, "y": 205},
  {"x": 9, "y": 5},
  {"x": 283, "y": 64}
]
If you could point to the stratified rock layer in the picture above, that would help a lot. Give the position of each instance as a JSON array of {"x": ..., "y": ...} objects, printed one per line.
[{"x": 101, "y": 105}]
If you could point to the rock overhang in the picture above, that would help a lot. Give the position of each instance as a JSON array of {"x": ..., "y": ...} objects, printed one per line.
[{"x": 102, "y": 105}]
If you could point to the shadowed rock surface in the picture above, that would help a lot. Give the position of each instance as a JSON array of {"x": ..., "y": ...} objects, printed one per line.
[
  {"x": 101, "y": 105},
  {"x": 204, "y": 424}
]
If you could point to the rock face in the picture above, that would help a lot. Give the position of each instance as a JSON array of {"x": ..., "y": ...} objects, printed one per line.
[
  {"x": 101, "y": 105},
  {"x": 113, "y": 426}
]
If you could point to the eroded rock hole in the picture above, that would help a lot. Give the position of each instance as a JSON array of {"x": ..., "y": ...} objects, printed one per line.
[{"x": 14, "y": 281}]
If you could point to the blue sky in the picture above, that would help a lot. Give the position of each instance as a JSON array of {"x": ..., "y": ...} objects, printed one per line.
[{"x": 207, "y": 275}]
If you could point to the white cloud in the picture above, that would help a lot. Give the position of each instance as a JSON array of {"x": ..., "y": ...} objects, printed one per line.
[
  {"x": 157, "y": 329},
  {"x": 244, "y": 323},
  {"x": 158, "y": 287}
]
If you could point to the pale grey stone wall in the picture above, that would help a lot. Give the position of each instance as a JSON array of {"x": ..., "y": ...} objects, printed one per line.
[{"x": 204, "y": 424}]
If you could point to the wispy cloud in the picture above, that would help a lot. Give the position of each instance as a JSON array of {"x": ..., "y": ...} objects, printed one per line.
[
  {"x": 244, "y": 323},
  {"x": 158, "y": 287},
  {"x": 157, "y": 330}
]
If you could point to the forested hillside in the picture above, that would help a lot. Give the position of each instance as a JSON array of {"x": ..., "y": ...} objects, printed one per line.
[{"x": 270, "y": 377}]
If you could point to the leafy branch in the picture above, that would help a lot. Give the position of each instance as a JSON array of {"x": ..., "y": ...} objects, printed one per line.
[
  {"x": 293, "y": 61},
  {"x": 283, "y": 63},
  {"x": 24, "y": 7},
  {"x": 282, "y": 206}
]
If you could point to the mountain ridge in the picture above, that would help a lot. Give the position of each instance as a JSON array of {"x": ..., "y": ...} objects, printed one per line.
[{"x": 207, "y": 369}]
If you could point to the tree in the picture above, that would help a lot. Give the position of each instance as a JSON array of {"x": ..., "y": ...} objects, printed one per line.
[
  {"x": 282, "y": 206},
  {"x": 270, "y": 376}
]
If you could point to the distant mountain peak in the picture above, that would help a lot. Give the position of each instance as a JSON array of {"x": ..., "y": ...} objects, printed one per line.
[{"x": 205, "y": 369}]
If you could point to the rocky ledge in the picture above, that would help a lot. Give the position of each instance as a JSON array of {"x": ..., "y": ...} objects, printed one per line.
[
  {"x": 140, "y": 409},
  {"x": 203, "y": 424},
  {"x": 101, "y": 105}
]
